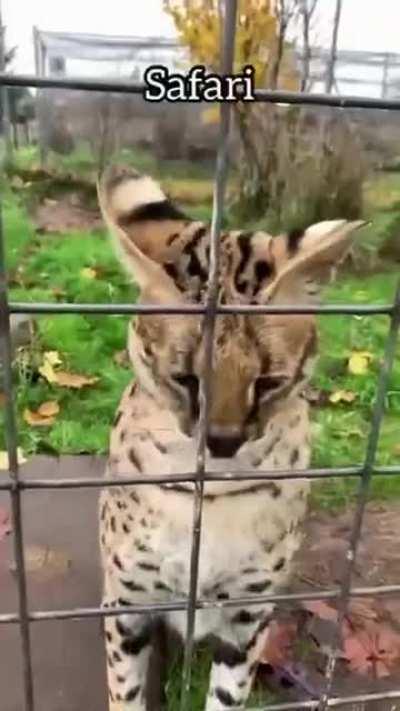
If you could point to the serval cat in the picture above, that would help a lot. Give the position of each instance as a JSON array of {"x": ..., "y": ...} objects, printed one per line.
[{"x": 258, "y": 420}]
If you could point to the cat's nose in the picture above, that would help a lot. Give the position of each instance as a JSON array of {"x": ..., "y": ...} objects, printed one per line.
[{"x": 224, "y": 444}]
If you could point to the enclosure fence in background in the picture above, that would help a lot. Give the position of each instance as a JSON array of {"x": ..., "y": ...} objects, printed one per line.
[{"x": 16, "y": 484}]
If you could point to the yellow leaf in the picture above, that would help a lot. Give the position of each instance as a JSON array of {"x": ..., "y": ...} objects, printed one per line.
[
  {"x": 48, "y": 372},
  {"x": 73, "y": 380},
  {"x": 342, "y": 396},
  {"x": 210, "y": 116},
  {"x": 359, "y": 362},
  {"x": 53, "y": 357},
  {"x": 49, "y": 408},
  {"x": 88, "y": 273},
  {"x": 4, "y": 458},
  {"x": 35, "y": 419}
]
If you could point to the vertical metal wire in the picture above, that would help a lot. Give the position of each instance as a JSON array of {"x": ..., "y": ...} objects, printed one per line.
[
  {"x": 227, "y": 58},
  {"x": 368, "y": 470},
  {"x": 15, "y": 494}
]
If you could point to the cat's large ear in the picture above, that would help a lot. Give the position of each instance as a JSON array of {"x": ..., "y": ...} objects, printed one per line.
[
  {"x": 318, "y": 251},
  {"x": 141, "y": 220}
]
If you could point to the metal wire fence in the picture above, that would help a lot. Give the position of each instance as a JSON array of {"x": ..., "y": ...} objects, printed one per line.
[{"x": 16, "y": 484}]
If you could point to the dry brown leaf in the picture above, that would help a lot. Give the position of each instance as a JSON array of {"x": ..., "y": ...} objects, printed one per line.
[
  {"x": 35, "y": 419},
  {"x": 44, "y": 560},
  {"x": 73, "y": 380},
  {"x": 374, "y": 650},
  {"x": 50, "y": 408}
]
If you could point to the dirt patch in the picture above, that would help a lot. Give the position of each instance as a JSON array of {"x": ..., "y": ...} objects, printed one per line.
[
  {"x": 321, "y": 560},
  {"x": 65, "y": 214}
]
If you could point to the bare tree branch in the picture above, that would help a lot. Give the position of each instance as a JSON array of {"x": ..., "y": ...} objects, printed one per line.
[{"x": 330, "y": 69}]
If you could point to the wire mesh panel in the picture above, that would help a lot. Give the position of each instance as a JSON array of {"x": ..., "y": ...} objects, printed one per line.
[{"x": 15, "y": 484}]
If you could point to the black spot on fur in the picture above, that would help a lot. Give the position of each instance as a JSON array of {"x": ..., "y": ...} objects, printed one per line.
[
  {"x": 134, "y": 587},
  {"x": 293, "y": 241},
  {"x": 280, "y": 564},
  {"x": 244, "y": 617},
  {"x": 259, "y": 587},
  {"x": 244, "y": 243},
  {"x": 142, "y": 547},
  {"x": 195, "y": 267},
  {"x": 262, "y": 270},
  {"x": 159, "y": 585},
  {"x": 121, "y": 629},
  {"x": 117, "y": 562},
  {"x": 171, "y": 239},
  {"x": 225, "y": 697},
  {"x": 154, "y": 211},
  {"x": 133, "y": 645},
  {"x": 223, "y": 596},
  {"x": 134, "y": 497},
  {"x": 120, "y": 679},
  {"x": 172, "y": 271},
  {"x": 117, "y": 418},
  {"x": 132, "y": 693},
  {"x": 112, "y": 524},
  {"x": 148, "y": 566},
  {"x": 229, "y": 654},
  {"x": 122, "y": 436},
  {"x": 125, "y": 528},
  {"x": 294, "y": 456},
  {"x": 108, "y": 636},
  {"x": 135, "y": 459},
  {"x": 116, "y": 657}
]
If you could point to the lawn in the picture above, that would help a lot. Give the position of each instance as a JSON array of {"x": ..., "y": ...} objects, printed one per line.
[{"x": 81, "y": 267}]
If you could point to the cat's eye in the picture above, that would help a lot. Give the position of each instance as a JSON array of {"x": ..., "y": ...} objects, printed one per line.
[
  {"x": 186, "y": 380},
  {"x": 267, "y": 385}
]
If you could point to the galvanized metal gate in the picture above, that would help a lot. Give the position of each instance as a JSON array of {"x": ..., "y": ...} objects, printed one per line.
[{"x": 16, "y": 484}]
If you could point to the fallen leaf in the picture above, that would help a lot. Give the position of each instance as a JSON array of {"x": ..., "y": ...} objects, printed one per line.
[
  {"x": 342, "y": 396},
  {"x": 35, "y": 419},
  {"x": 88, "y": 273},
  {"x": 4, "y": 458},
  {"x": 53, "y": 357},
  {"x": 73, "y": 380},
  {"x": 49, "y": 408},
  {"x": 373, "y": 650},
  {"x": 44, "y": 560},
  {"x": 5, "y": 523},
  {"x": 279, "y": 646},
  {"x": 359, "y": 362}
]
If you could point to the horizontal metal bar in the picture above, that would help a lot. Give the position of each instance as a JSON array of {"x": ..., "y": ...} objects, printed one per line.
[
  {"x": 177, "y": 605},
  {"x": 122, "y": 309},
  {"x": 271, "y": 475},
  {"x": 129, "y": 87},
  {"x": 332, "y": 703}
]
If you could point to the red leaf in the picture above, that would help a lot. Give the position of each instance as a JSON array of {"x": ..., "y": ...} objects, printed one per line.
[
  {"x": 374, "y": 650},
  {"x": 279, "y": 646}
]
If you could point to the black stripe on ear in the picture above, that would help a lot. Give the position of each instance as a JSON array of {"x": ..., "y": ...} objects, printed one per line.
[
  {"x": 152, "y": 211},
  {"x": 293, "y": 240}
]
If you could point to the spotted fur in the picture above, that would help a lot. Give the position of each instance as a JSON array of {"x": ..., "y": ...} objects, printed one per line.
[{"x": 258, "y": 420}]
